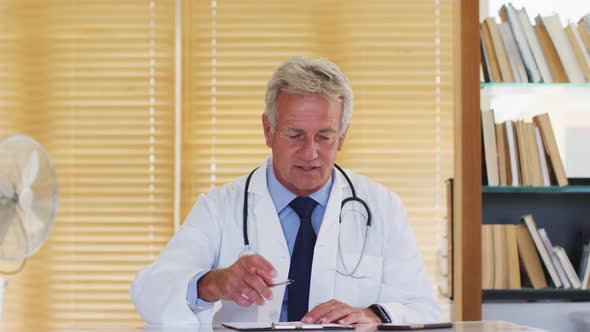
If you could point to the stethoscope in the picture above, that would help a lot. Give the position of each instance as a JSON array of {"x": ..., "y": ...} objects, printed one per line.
[{"x": 353, "y": 198}]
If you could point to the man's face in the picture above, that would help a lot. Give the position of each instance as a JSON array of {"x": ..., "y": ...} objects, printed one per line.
[{"x": 305, "y": 141}]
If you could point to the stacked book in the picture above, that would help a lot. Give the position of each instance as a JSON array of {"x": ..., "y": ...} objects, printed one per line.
[
  {"x": 517, "y": 51},
  {"x": 543, "y": 263},
  {"x": 520, "y": 153}
]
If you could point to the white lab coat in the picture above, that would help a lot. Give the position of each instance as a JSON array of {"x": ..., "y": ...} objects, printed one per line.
[{"x": 390, "y": 273}]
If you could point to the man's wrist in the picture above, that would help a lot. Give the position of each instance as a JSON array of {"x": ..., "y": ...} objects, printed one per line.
[
  {"x": 380, "y": 312},
  {"x": 206, "y": 287}
]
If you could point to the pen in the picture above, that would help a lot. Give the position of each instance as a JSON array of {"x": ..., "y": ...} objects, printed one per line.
[{"x": 286, "y": 282}]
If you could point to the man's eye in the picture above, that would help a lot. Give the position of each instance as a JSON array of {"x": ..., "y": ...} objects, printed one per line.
[
  {"x": 324, "y": 138},
  {"x": 294, "y": 136}
]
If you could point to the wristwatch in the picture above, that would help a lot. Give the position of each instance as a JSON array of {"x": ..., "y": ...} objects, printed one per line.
[{"x": 380, "y": 312}]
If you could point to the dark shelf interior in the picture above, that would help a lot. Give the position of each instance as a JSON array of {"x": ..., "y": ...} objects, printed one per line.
[
  {"x": 564, "y": 212},
  {"x": 530, "y": 295}
]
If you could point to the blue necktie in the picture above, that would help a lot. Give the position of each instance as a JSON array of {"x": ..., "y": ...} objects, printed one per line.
[{"x": 301, "y": 260}]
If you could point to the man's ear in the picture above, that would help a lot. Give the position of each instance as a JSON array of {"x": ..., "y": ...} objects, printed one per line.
[
  {"x": 267, "y": 130},
  {"x": 342, "y": 137}
]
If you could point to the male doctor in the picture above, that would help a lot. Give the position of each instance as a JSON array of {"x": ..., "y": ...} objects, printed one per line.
[{"x": 296, "y": 227}]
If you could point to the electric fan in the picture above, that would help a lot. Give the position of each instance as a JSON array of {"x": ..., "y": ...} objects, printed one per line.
[{"x": 28, "y": 199}]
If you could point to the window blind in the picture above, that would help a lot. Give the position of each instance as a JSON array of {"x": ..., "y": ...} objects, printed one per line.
[
  {"x": 397, "y": 55},
  {"x": 92, "y": 81}
]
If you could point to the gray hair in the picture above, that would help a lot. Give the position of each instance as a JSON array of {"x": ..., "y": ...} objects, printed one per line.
[{"x": 304, "y": 76}]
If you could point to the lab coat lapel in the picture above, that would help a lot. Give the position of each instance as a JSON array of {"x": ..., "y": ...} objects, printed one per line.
[
  {"x": 325, "y": 253},
  {"x": 267, "y": 238}
]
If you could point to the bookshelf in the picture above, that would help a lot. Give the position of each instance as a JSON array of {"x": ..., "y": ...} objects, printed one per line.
[
  {"x": 474, "y": 204},
  {"x": 562, "y": 211}
]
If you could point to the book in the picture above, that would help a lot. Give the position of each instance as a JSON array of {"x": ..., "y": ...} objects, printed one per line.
[
  {"x": 500, "y": 264},
  {"x": 560, "y": 270},
  {"x": 512, "y": 255},
  {"x": 534, "y": 160},
  {"x": 529, "y": 222},
  {"x": 523, "y": 153},
  {"x": 501, "y": 56},
  {"x": 512, "y": 153},
  {"x": 563, "y": 47},
  {"x": 530, "y": 258},
  {"x": 493, "y": 68},
  {"x": 484, "y": 66},
  {"x": 509, "y": 14},
  {"x": 584, "y": 272},
  {"x": 535, "y": 46},
  {"x": 557, "y": 70},
  {"x": 542, "y": 157},
  {"x": 490, "y": 148},
  {"x": 500, "y": 258},
  {"x": 487, "y": 257},
  {"x": 567, "y": 266},
  {"x": 514, "y": 59},
  {"x": 503, "y": 157},
  {"x": 544, "y": 124},
  {"x": 580, "y": 51},
  {"x": 584, "y": 34}
]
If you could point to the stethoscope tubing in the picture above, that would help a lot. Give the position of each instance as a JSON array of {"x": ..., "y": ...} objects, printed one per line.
[{"x": 346, "y": 200}]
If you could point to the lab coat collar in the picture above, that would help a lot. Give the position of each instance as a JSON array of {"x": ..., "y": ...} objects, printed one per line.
[{"x": 323, "y": 272}]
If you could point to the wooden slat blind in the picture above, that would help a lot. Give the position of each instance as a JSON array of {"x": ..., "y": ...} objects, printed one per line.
[
  {"x": 397, "y": 55},
  {"x": 92, "y": 81}
]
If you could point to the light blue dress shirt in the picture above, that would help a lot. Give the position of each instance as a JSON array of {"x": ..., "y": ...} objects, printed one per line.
[
  {"x": 281, "y": 198},
  {"x": 289, "y": 220}
]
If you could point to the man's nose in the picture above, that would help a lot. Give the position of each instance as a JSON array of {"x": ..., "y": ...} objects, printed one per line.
[{"x": 309, "y": 151}]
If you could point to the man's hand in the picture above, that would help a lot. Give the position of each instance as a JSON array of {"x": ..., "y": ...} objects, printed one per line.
[
  {"x": 335, "y": 311},
  {"x": 245, "y": 282}
]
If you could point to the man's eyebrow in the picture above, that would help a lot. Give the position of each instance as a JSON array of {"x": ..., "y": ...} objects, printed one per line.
[
  {"x": 294, "y": 129},
  {"x": 322, "y": 131},
  {"x": 328, "y": 130}
]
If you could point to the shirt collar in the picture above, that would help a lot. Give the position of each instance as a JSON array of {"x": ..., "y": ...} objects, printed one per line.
[{"x": 281, "y": 196}]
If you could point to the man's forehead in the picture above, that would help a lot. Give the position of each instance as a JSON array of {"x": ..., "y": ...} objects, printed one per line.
[{"x": 306, "y": 96}]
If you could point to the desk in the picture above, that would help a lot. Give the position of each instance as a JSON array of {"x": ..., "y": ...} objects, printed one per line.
[{"x": 486, "y": 326}]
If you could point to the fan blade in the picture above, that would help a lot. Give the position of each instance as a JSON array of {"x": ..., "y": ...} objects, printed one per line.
[
  {"x": 6, "y": 187},
  {"x": 25, "y": 199},
  {"x": 7, "y": 215},
  {"x": 31, "y": 222},
  {"x": 30, "y": 170}
]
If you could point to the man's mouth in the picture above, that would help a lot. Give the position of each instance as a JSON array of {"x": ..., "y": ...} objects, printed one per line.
[{"x": 307, "y": 168}]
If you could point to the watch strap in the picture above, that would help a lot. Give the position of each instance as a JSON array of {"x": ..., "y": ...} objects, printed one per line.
[{"x": 380, "y": 312}]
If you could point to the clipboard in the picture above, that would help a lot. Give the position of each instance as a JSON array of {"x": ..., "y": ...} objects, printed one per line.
[
  {"x": 414, "y": 327},
  {"x": 285, "y": 326}
]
